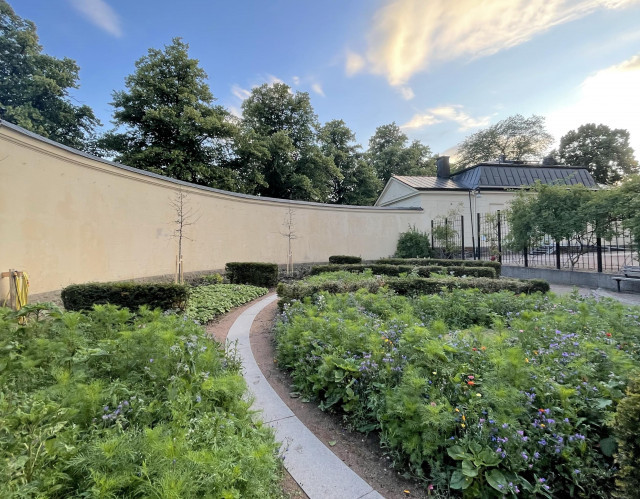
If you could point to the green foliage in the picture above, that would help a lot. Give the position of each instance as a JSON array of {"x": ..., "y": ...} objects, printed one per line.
[
  {"x": 124, "y": 294},
  {"x": 210, "y": 279},
  {"x": 605, "y": 152},
  {"x": 340, "y": 259},
  {"x": 207, "y": 302},
  {"x": 516, "y": 137},
  {"x": 442, "y": 262},
  {"x": 357, "y": 183},
  {"x": 34, "y": 88},
  {"x": 625, "y": 428},
  {"x": 413, "y": 244},
  {"x": 390, "y": 153},
  {"x": 491, "y": 393},
  {"x": 626, "y": 202},
  {"x": 171, "y": 126},
  {"x": 411, "y": 285},
  {"x": 254, "y": 273},
  {"x": 283, "y": 124},
  {"x": 396, "y": 270},
  {"x": 111, "y": 404}
]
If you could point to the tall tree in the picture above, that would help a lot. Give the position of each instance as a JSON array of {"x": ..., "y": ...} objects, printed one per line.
[
  {"x": 285, "y": 124},
  {"x": 170, "y": 124},
  {"x": 390, "y": 153},
  {"x": 516, "y": 137},
  {"x": 604, "y": 151},
  {"x": 357, "y": 183},
  {"x": 34, "y": 87}
]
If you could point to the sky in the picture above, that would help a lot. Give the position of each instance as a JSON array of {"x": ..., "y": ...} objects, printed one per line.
[{"x": 440, "y": 69}]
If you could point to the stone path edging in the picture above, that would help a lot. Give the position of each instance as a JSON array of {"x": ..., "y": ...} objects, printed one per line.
[{"x": 318, "y": 471}]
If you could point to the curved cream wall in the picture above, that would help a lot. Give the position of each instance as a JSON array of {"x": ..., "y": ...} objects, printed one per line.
[{"x": 66, "y": 217}]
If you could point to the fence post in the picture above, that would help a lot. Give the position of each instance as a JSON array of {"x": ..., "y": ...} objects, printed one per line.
[
  {"x": 558, "y": 255},
  {"x": 478, "y": 235},
  {"x": 432, "y": 247},
  {"x": 599, "y": 253},
  {"x": 525, "y": 253},
  {"x": 499, "y": 239},
  {"x": 462, "y": 235}
]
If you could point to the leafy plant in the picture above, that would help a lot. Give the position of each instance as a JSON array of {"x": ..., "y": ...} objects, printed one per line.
[
  {"x": 413, "y": 244},
  {"x": 207, "y": 302}
]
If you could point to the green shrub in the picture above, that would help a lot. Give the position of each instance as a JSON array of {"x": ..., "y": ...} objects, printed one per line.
[
  {"x": 124, "y": 294},
  {"x": 396, "y": 270},
  {"x": 254, "y": 273},
  {"x": 444, "y": 262},
  {"x": 342, "y": 259},
  {"x": 206, "y": 302},
  {"x": 109, "y": 403},
  {"x": 210, "y": 279},
  {"x": 625, "y": 427},
  {"x": 413, "y": 244}
]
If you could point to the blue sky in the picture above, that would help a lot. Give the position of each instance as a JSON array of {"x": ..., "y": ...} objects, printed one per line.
[{"x": 441, "y": 69}]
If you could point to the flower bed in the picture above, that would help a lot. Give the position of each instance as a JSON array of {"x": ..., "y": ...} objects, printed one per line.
[
  {"x": 207, "y": 302},
  {"x": 493, "y": 394},
  {"x": 112, "y": 404}
]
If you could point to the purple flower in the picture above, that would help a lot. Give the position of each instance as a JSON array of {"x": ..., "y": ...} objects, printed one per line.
[
  {"x": 577, "y": 472},
  {"x": 542, "y": 480},
  {"x": 542, "y": 442},
  {"x": 150, "y": 360}
]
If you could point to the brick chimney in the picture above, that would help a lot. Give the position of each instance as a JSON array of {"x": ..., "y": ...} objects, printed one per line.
[{"x": 442, "y": 165}]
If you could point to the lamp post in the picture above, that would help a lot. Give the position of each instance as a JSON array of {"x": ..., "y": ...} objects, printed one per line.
[{"x": 476, "y": 194}]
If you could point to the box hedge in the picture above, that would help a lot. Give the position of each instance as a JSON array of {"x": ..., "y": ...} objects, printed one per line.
[
  {"x": 125, "y": 294},
  {"x": 344, "y": 259},
  {"x": 443, "y": 262},
  {"x": 396, "y": 270},
  {"x": 254, "y": 273},
  {"x": 410, "y": 286}
]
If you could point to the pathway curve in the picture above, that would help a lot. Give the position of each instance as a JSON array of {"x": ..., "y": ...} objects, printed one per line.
[{"x": 320, "y": 473}]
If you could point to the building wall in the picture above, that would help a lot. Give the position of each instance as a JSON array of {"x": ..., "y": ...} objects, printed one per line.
[{"x": 69, "y": 218}]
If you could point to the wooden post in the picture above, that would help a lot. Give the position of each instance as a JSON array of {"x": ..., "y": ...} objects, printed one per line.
[{"x": 12, "y": 289}]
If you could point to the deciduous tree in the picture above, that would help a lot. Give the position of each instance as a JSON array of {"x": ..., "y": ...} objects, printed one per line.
[
  {"x": 390, "y": 153},
  {"x": 34, "y": 87},
  {"x": 604, "y": 151},
  {"x": 516, "y": 137}
]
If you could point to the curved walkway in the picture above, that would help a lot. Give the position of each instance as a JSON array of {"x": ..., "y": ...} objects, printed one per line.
[{"x": 320, "y": 473}]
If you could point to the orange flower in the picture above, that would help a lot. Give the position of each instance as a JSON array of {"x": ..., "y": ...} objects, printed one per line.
[
  {"x": 470, "y": 383},
  {"x": 483, "y": 348}
]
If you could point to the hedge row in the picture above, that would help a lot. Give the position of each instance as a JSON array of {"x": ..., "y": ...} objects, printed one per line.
[
  {"x": 253, "y": 273},
  {"x": 395, "y": 270},
  {"x": 425, "y": 262},
  {"x": 124, "y": 294},
  {"x": 410, "y": 286},
  {"x": 344, "y": 259}
]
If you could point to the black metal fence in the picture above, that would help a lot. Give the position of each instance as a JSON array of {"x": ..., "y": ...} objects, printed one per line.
[{"x": 488, "y": 236}]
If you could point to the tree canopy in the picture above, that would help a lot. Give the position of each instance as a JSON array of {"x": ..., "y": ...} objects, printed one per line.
[
  {"x": 516, "y": 138},
  {"x": 604, "y": 151},
  {"x": 34, "y": 87},
  {"x": 390, "y": 153},
  {"x": 170, "y": 124}
]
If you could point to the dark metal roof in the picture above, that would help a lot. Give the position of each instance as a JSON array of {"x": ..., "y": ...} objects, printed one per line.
[{"x": 501, "y": 176}]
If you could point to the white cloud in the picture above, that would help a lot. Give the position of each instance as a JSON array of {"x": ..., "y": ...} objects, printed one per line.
[
  {"x": 408, "y": 36},
  {"x": 273, "y": 79},
  {"x": 442, "y": 114},
  {"x": 353, "y": 63},
  {"x": 610, "y": 97},
  {"x": 317, "y": 88},
  {"x": 239, "y": 92},
  {"x": 100, "y": 14},
  {"x": 406, "y": 92},
  {"x": 296, "y": 80}
]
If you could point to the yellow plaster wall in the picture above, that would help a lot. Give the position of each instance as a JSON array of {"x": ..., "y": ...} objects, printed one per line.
[{"x": 68, "y": 218}]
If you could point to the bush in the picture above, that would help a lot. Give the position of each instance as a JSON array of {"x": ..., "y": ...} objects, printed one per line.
[
  {"x": 444, "y": 262},
  {"x": 396, "y": 270},
  {"x": 209, "y": 280},
  {"x": 206, "y": 302},
  {"x": 344, "y": 259},
  {"x": 112, "y": 404},
  {"x": 339, "y": 282},
  {"x": 413, "y": 244},
  {"x": 124, "y": 294},
  {"x": 254, "y": 273},
  {"x": 627, "y": 422}
]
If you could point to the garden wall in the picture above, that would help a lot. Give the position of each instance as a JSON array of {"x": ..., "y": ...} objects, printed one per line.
[{"x": 67, "y": 217}]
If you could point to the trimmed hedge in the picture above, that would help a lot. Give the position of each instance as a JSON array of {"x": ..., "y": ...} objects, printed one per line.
[
  {"x": 125, "y": 294},
  {"x": 444, "y": 262},
  {"x": 253, "y": 273},
  {"x": 344, "y": 259},
  {"x": 396, "y": 270},
  {"x": 410, "y": 286}
]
